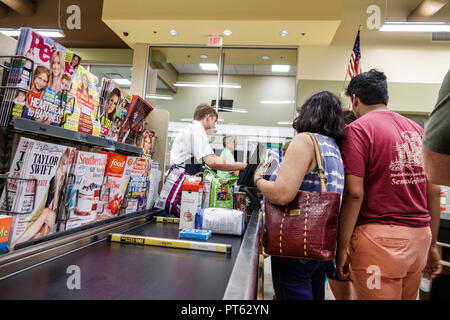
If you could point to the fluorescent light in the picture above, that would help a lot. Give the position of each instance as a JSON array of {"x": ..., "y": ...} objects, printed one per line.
[
  {"x": 10, "y": 32},
  {"x": 233, "y": 110},
  {"x": 208, "y": 66},
  {"x": 173, "y": 32},
  {"x": 227, "y": 32},
  {"x": 122, "y": 82},
  {"x": 415, "y": 27},
  {"x": 280, "y": 68},
  {"x": 159, "y": 96},
  {"x": 206, "y": 85},
  {"x": 284, "y": 33},
  {"x": 203, "y": 56},
  {"x": 265, "y": 57},
  {"x": 277, "y": 102},
  {"x": 51, "y": 33},
  {"x": 285, "y": 122},
  {"x": 186, "y": 119},
  {"x": 191, "y": 84},
  {"x": 230, "y": 85}
]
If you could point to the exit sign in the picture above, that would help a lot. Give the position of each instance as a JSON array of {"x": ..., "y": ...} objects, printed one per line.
[{"x": 215, "y": 41}]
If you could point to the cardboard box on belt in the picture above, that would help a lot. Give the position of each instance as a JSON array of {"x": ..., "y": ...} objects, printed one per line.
[{"x": 191, "y": 201}]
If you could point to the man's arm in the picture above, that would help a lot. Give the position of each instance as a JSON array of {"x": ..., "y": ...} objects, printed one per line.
[
  {"x": 217, "y": 163},
  {"x": 437, "y": 166},
  {"x": 351, "y": 204},
  {"x": 433, "y": 266}
]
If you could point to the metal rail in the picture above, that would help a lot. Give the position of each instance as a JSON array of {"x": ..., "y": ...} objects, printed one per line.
[{"x": 24, "y": 258}]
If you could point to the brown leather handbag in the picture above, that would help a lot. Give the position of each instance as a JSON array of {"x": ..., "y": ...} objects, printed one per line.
[{"x": 307, "y": 227}]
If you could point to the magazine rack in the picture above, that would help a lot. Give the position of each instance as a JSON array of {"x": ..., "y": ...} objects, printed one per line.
[
  {"x": 11, "y": 89},
  {"x": 6, "y": 202}
]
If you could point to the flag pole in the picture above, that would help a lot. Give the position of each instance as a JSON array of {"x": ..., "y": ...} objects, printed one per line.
[{"x": 345, "y": 80}]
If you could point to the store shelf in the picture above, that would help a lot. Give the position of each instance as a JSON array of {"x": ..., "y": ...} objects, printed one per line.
[
  {"x": 119, "y": 146},
  {"x": 33, "y": 127}
]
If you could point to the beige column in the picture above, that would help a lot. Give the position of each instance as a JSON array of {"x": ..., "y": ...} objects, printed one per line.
[{"x": 138, "y": 74}]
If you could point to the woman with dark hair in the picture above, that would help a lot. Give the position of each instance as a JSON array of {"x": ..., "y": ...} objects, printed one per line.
[
  {"x": 321, "y": 115},
  {"x": 111, "y": 103}
]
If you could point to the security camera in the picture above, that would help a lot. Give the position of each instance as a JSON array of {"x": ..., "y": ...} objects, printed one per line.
[{"x": 125, "y": 33}]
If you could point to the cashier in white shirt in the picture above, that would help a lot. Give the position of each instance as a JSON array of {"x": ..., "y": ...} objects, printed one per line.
[{"x": 191, "y": 146}]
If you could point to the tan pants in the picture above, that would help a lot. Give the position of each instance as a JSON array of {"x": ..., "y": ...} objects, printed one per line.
[{"x": 387, "y": 261}]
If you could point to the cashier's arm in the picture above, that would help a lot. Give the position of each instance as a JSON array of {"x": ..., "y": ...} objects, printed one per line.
[{"x": 217, "y": 163}]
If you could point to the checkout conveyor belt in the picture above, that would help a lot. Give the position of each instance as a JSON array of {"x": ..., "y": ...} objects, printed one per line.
[{"x": 111, "y": 270}]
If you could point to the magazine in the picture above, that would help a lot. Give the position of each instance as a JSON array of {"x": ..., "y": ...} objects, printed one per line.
[
  {"x": 147, "y": 141},
  {"x": 83, "y": 190},
  {"x": 19, "y": 76},
  {"x": 111, "y": 98},
  {"x": 49, "y": 164},
  {"x": 138, "y": 186},
  {"x": 81, "y": 114},
  {"x": 119, "y": 117},
  {"x": 133, "y": 124},
  {"x": 50, "y": 78},
  {"x": 114, "y": 186}
]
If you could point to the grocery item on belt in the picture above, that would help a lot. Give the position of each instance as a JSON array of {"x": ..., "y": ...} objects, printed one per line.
[
  {"x": 219, "y": 220},
  {"x": 208, "y": 176},
  {"x": 240, "y": 203},
  {"x": 191, "y": 200},
  {"x": 195, "y": 234},
  {"x": 222, "y": 193}
]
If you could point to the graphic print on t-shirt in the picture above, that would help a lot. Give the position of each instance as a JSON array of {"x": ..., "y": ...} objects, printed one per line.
[{"x": 407, "y": 168}]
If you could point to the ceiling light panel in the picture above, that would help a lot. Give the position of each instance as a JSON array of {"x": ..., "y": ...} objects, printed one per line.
[
  {"x": 280, "y": 68},
  {"x": 209, "y": 66},
  {"x": 415, "y": 27}
]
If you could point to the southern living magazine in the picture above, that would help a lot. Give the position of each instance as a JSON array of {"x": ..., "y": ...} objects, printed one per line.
[
  {"x": 111, "y": 98},
  {"x": 138, "y": 187},
  {"x": 50, "y": 81},
  {"x": 49, "y": 164},
  {"x": 138, "y": 111},
  {"x": 83, "y": 117},
  {"x": 83, "y": 190},
  {"x": 119, "y": 117},
  {"x": 114, "y": 186}
]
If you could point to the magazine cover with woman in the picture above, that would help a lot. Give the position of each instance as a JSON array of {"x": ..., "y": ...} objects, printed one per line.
[
  {"x": 120, "y": 117},
  {"x": 81, "y": 115},
  {"x": 49, "y": 164},
  {"x": 50, "y": 78},
  {"x": 111, "y": 101}
]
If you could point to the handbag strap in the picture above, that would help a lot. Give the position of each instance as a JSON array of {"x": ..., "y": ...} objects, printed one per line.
[{"x": 319, "y": 160}]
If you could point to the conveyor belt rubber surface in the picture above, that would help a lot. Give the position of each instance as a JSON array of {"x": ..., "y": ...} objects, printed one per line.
[{"x": 126, "y": 271}]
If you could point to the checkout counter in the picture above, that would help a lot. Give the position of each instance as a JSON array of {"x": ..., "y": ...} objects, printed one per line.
[{"x": 111, "y": 270}]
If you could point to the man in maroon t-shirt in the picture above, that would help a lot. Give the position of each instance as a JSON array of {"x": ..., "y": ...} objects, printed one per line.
[{"x": 386, "y": 197}]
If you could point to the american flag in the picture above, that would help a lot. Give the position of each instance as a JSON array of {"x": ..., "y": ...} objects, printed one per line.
[{"x": 354, "y": 66}]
